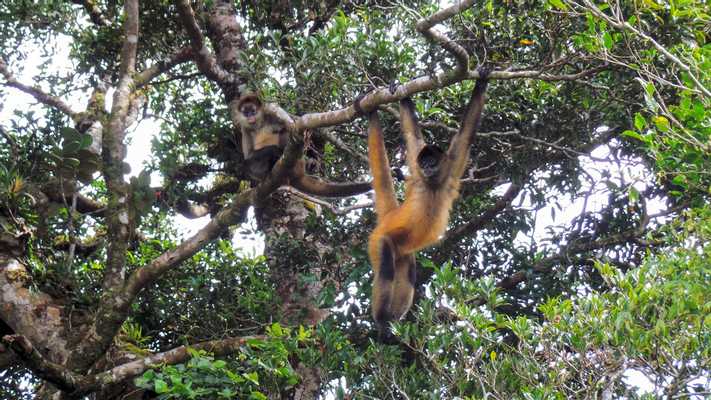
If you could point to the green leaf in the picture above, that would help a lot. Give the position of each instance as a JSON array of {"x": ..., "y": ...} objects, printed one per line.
[
  {"x": 85, "y": 141},
  {"x": 639, "y": 121},
  {"x": 72, "y": 162},
  {"x": 303, "y": 334},
  {"x": 679, "y": 180},
  {"x": 276, "y": 330},
  {"x": 607, "y": 40},
  {"x": 71, "y": 147},
  {"x": 662, "y": 123},
  {"x": 649, "y": 88},
  {"x": 633, "y": 135},
  {"x": 69, "y": 133},
  {"x": 633, "y": 194},
  {"x": 257, "y": 396},
  {"x": 159, "y": 386},
  {"x": 558, "y": 4},
  {"x": 252, "y": 377}
]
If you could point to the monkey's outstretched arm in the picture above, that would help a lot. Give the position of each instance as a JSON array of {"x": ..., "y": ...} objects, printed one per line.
[
  {"x": 314, "y": 186},
  {"x": 385, "y": 199},
  {"x": 411, "y": 131},
  {"x": 458, "y": 152}
]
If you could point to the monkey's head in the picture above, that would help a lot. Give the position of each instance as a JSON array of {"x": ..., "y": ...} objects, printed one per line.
[
  {"x": 429, "y": 161},
  {"x": 251, "y": 109}
]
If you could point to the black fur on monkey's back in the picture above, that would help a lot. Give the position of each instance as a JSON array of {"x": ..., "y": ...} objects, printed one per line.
[{"x": 433, "y": 185}]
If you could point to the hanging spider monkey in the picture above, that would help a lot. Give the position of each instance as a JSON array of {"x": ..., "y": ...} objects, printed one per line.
[
  {"x": 418, "y": 222},
  {"x": 264, "y": 137}
]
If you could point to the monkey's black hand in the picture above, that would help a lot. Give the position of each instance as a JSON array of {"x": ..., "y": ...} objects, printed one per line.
[
  {"x": 357, "y": 106},
  {"x": 484, "y": 71},
  {"x": 385, "y": 336},
  {"x": 398, "y": 175},
  {"x": 393, "y": 86}
]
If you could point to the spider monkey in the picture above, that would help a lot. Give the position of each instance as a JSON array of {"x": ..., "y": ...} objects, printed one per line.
[
  {"x": 431, "y": 188},
  {"x": 264, "y": 137}
]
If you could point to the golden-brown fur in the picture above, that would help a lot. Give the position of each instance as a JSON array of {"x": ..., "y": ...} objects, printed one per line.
[{"x": 433, "y": 185}]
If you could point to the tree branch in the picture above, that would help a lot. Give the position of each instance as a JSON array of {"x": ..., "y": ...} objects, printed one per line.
[
  {"x": 183, "y": 55},
  {"x": 454, "y": 234},
  {"x": 36, "y": 92},
  {"x": 77, "y": 385},
  {"x": 205, "y": 60},
  {"x": 621, "y": 24},
  {"x": 85, "y": 204},
  {"x": 383, "y": 95},
  {"x": 545, "y": 264},
  {"x": 425, "y": 25},
  {"x": 329, "y": 206},
  {"x": 119, "y": 218},
  {"x": 54, "y": 373},
  {"x": 229, "y": 216},
  {"x": 177, "y": 355},
  {"x": 33, "y": 314},
  {"x": 328, "y": 135},
  {"x": 95, "y": 14}
]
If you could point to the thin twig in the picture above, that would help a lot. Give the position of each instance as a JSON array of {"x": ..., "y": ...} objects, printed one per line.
[{"x": 329, "y": 206}]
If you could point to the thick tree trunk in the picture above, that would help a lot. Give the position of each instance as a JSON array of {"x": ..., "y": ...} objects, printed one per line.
[{"x": 283, "y": 221}]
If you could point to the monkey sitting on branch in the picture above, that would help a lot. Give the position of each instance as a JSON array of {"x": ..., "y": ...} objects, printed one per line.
[{"x": 264, "y": 137}]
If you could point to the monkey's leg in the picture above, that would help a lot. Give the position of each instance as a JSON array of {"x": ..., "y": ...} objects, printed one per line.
[
  {"x": 383, "y": 276},
  {"x": 403, "y": 286},
  {"x": 262, "y": 162}
]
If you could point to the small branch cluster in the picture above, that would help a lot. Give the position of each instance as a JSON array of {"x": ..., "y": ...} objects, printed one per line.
[{"x": 618, "y": 21}]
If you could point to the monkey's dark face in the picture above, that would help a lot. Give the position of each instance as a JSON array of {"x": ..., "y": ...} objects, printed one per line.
[
  {"x": 429, "y": 160},
  {"x": 250, "y": 111}
]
